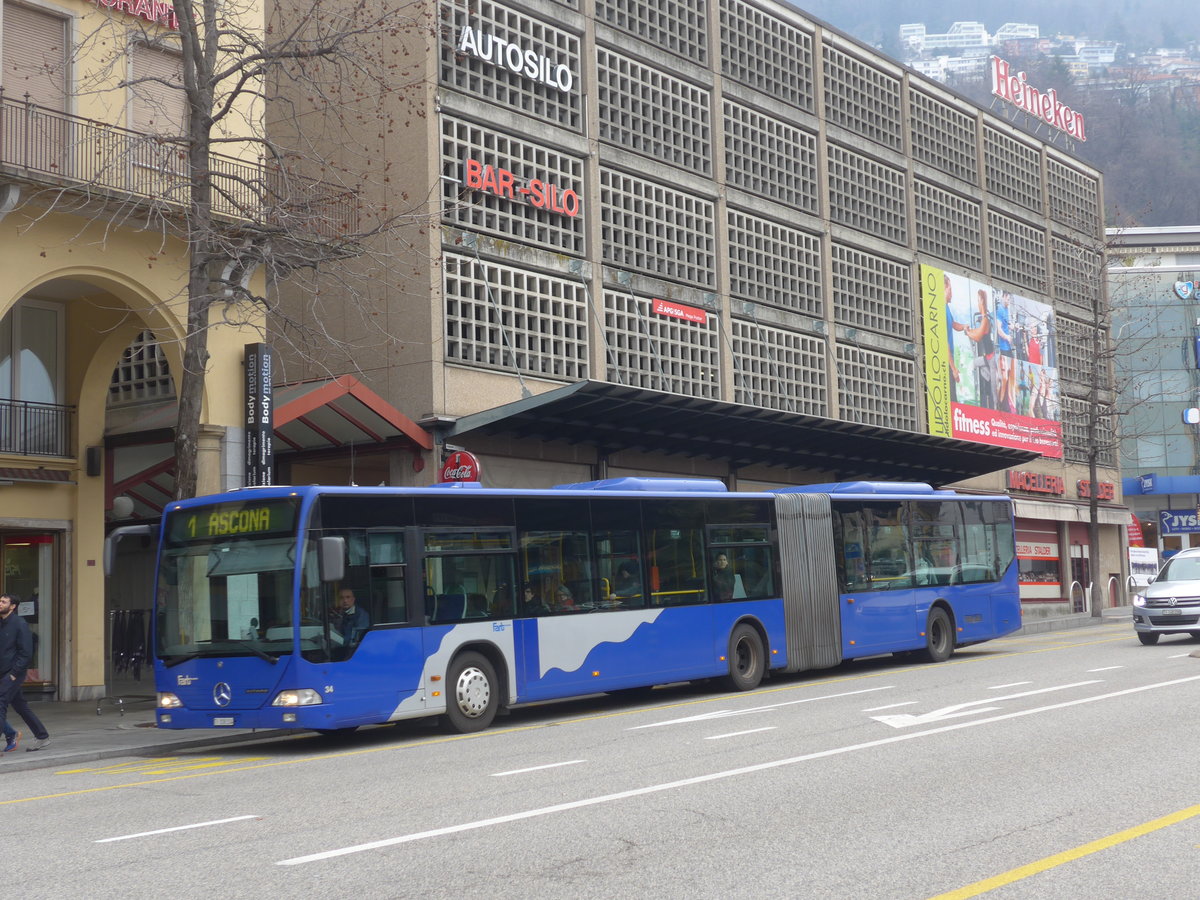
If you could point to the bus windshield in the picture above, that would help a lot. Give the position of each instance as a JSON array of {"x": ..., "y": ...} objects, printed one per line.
[{"x": 226, "y": 579}]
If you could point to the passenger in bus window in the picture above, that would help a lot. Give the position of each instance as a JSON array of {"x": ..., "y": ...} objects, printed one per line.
[
  {"x": 627, "y": 585},
  {"x": 350, "y": 619},
  {"x": 502, "y": 601},
  {"x": 722, "y": 577},
  {"x": 531, "y": 603},
  {"x": 564, "y": 600}
]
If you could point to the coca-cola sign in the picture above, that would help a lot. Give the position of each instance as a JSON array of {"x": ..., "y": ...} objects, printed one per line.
[
  {"x": 460, "y": 465},
  {"x": 1014, "y": 89}
]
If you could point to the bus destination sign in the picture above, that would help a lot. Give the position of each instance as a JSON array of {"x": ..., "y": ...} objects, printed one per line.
[{"x": 230, "y": 520}]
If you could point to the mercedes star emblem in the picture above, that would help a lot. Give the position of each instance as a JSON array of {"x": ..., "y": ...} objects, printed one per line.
[{"x": 222, "y": 694}]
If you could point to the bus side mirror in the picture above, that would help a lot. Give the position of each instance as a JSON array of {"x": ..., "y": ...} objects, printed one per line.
[
  {"x": 114, "y": 538},
  {"x": 331, "y": 558}
]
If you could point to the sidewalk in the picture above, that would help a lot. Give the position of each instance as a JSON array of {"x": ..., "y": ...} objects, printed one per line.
[
  {"x": 78, "y": 736},
  {"x": 1122, "y": 614}
]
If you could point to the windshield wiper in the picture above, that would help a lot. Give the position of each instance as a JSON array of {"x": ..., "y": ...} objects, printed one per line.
[
  {"x": 261, "y": 654},
  {"x": 170, "y": 661}
]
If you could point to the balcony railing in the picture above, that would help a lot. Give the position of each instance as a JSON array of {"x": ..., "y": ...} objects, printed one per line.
[
  {"x": 74, "y": 152},
  {"x": 35, "y": 429}
]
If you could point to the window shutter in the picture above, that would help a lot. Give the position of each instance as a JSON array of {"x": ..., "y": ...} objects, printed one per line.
[
  {"x": 158, "y": 108},
  {"x": 35, "y": 56}
]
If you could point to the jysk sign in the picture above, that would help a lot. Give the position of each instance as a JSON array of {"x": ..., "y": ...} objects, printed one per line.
[
  {"x": 1178, "y": 521},
  {"x": 260, "y": 415}
]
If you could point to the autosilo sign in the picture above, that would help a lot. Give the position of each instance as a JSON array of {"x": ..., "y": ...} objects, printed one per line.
[{"x": 516, "y": 58}]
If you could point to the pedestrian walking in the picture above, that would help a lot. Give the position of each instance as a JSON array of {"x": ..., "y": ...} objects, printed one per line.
[{"x": 16, "y": 652}]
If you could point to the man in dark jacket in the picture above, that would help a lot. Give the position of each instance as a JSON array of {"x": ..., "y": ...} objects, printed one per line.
[{"x": 16, "y": 651}]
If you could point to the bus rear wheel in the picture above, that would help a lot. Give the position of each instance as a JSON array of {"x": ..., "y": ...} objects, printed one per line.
[
  {"x": 747, "y": 661},
  {"x": 472, "y": 693},
  {"x": 939, "y": 636}
]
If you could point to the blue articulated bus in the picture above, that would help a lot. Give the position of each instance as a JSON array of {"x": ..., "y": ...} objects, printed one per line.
[{"x": 328, "y": 608}]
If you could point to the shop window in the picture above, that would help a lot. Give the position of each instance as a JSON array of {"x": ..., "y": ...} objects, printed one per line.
[
  {"x": 1038, "y": 564},
  {"x": 28, "y": 561}
]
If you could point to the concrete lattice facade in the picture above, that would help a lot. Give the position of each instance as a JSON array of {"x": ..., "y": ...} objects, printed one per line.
[{"x": 739, "y": 159}]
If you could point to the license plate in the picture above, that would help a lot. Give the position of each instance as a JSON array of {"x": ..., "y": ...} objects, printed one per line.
[
  {"x": 1172, "y": 612},
  {"x": 223, "y": 720}
]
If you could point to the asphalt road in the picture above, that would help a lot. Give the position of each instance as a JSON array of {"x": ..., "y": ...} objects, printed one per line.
[{"x": 1049, "y": 765}]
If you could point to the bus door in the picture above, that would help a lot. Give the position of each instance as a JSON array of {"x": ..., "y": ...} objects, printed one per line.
[
  {"x": 936, "y": 529},
  {"x": 875, "y": 565},
  {"x": 372, "y": 649},
  {"x": 468, "y": 592}
]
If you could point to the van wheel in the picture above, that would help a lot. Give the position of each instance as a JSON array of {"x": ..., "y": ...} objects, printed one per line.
[
  {"x": 472, "y": 695},
  {"x": 1149, "y": 638},
  {"x": 939, "y": 636},
  {"x": 746, "y": 659}
]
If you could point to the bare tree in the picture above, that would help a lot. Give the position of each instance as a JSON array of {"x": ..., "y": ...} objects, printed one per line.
[
  {"x": 294, "y": 221},
  {"x": 1097, "y": 377},
  {"x": 220, "y": 161}
]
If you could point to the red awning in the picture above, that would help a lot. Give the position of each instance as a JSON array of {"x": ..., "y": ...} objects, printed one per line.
[
  {"x": 328, "y": 413},
  {"x": 338, "y": 412}
]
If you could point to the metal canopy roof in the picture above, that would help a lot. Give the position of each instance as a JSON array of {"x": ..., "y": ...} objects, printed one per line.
[
  {"x": 618, "y": 417},
  {"x": 335, "y": 412},
  {"x": 309, "y": 415}
]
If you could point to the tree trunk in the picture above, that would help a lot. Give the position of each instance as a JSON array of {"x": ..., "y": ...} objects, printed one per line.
[{"x": 191, "y": 384}]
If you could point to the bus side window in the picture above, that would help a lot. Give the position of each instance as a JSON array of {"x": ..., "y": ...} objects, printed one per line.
[
  {"x": 851, "y": 542},
  {"x": 619, "y": 565},
  {"x": 889, "y": 565},
  {"x": 981, "y": 555},
  {"x": 755, "y": 570},
  {"x": 387, "y": 602}
]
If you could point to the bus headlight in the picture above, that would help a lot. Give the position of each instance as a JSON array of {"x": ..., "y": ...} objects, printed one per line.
[
  {"x": 302, "y": 697},
  {"x": 168, "y": 701}
]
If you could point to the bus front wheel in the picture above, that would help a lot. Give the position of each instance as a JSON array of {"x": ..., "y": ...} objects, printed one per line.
[
  {"x": 747, "y": 661},
  {"x": 939, "y": 636},
  {"x": 473, "y": 698}
]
